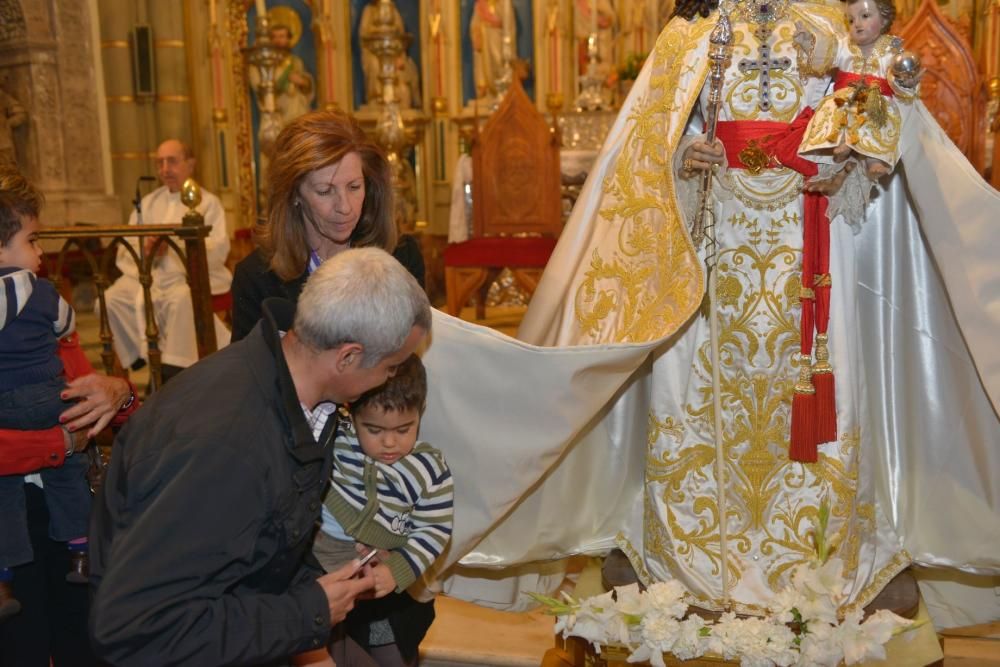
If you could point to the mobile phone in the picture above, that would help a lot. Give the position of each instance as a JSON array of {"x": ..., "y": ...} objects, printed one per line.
[{"x": 367, "y": 557}]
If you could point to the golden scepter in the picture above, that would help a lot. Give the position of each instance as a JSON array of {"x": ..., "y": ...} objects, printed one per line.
[{"x": 720, "y": 47}]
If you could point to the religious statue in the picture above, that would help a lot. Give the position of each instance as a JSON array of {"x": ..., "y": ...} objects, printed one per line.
[
  {"x": 407, "y": 82},
  {"x": 293, "y": 84},
  {"x": 602, "y": 27},
  {"x": 486, "y": 32},
  {"x": 406, "y": 74},
  {"x": 861, "y": 116},
  {"x": 742, "y": 445},
  {"x": 12, "y": 115}
]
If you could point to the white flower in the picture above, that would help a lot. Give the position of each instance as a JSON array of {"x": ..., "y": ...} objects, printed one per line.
[
  {"x": 820, "y": 589},
  {"x": 630, "y": 601},
  {"x": 763, "y": 643},
  {"x": 646, "y": 653},
  {"x": 818, "y": 646},
  {"x": 649, "y": 623},
  {"x": 784, "y": 603},
  {"x": 598, "y": 622},
  {"x": 725, "y": 636},
  {"x": 865, "y": 641},
  {"x": 564, "y": 624},
  {"x": 659, "y": 631},
  {"x": 825, "y": 580},
  {"x": 668, "y": 597},
  {"x": 689, "y": 642},
  {"x": 883, "y": 624}
]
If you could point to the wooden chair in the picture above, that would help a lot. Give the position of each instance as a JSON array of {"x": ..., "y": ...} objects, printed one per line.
[
  {"x": 952, "y": 87},
  {"x": 516, "y": 204}
]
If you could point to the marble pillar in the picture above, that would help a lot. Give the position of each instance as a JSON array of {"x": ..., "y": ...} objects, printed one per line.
[{"x": 47, "y": 64}]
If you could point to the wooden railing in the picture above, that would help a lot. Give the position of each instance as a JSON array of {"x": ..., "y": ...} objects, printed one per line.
[{"x": 192, "y": 233}]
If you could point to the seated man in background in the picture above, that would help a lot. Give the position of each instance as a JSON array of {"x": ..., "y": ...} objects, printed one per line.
[{"x": 170, "y": 293}]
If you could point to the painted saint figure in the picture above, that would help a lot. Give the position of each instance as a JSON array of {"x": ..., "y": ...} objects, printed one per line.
[{"x": 486, "y": 31}]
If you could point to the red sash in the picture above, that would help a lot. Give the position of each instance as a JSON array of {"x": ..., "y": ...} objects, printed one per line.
[
  {"x": 844, "y": 79},
  {"x": 813, "y": 408}
]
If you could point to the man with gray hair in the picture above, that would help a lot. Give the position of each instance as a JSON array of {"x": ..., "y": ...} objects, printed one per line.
[{"x": 200, "y": 534}]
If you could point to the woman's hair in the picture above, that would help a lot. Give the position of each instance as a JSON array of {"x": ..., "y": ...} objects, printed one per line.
[
  {"x": 313, "y": 141},
  {"x": 886, "y": 9},
  {"x": 406, "y": 390},
  {"x": 18, "y": 200}
]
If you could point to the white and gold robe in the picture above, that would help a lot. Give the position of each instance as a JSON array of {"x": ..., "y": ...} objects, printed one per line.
[{"x": 550, "y": 475}]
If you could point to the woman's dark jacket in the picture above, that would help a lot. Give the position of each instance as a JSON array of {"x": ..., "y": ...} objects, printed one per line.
[{"x": 253, "y": 282}]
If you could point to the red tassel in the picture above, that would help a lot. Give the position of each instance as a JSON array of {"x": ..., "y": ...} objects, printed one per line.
[
  {"x": 826, "y": 408},
  {"x": 802, "y": 447}
]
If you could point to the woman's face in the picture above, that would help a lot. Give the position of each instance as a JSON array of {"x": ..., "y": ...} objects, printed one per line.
[{"x": 332, "y": 198}]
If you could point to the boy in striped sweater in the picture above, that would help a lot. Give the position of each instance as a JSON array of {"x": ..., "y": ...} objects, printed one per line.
[
  {"x": 391, "y": 493},
  {"x": 33, "y": 317}
]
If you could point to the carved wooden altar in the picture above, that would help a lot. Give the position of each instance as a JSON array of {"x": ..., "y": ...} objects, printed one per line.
[{"x": 952, "y": 88}]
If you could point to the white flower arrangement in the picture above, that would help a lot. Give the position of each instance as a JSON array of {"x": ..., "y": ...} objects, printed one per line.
[{"x": 651, "y": 623}]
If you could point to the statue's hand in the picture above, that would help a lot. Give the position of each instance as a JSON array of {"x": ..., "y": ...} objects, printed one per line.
[
  {"x": 803, "y": 39},
  {"x": 701, "y": 155},
  {"x": 830, "y": 186}
]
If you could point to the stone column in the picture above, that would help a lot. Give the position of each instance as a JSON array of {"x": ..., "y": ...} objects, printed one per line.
[{"x": 47, "y": 63}]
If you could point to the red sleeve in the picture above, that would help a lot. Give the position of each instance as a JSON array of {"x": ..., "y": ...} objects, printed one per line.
[
  {"x": 23, "y": 452},
  {"x": 74, "y": 360}
]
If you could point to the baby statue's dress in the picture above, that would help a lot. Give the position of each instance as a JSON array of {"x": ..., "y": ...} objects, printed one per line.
[{"x": 862, "y": 110}]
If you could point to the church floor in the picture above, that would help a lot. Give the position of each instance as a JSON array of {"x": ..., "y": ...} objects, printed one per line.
[{"x": 467, "y": 635}]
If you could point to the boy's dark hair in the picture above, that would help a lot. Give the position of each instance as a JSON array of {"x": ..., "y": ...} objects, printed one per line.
[
  {"x": 18, "y": 200},
  {"x": 405, "y": 390}
]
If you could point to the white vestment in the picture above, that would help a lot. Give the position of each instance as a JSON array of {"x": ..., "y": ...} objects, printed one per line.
[
  {"x": 912, "y": 476},
  {"x": 170, "y": 292}
]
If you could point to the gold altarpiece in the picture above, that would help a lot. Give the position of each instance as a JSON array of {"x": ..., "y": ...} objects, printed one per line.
[{"x": 218, "y": 33}]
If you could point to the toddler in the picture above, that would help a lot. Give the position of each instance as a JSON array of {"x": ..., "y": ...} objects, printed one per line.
[
  {"x": 394, "y": 494},
  {"x": 33, "y": 317},
  {"x": 861, "y": 114}
]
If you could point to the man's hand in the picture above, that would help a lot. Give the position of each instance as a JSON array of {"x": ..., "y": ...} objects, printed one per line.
[
  {"x": 75, "y": 442},
  {"x": 98, "y": 399},
  {"x": 701, "y": 155},
  {"x": 830, "y": 186},
  {"x": 343, "y": 586},
  {"x": 385, "y": 583}
]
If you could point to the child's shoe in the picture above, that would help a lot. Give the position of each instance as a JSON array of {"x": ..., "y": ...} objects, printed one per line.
[
  {"x": 79, "y": 567},
  {"x": 8, "y": 603}
]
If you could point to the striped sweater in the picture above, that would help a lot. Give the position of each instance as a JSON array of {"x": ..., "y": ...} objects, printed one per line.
[
  {"x": 33, "y": 317},
  {"x": 404, "y": 508}
]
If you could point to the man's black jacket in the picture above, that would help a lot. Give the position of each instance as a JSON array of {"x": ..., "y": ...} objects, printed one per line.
[{"x": 200, "y": 532}]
